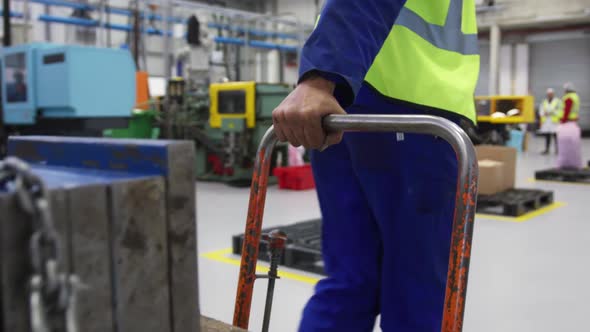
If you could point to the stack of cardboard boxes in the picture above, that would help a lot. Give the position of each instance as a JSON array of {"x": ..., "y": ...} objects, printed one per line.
[{"x": 497, "y": 168}]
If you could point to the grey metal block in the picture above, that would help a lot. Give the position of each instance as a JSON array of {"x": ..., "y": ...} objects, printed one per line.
[
  {"x": 16, "y": 230},
  {"x": 90, "y": 255},
  {"x": 58, "y": 206},
  {"x": 140, "y": 254},
  {"x": 181, "y": 223},
  {"x": 212, "y": 325},
  {"x": 15, "y": 233},
  {"x": 152, "y": 234}
]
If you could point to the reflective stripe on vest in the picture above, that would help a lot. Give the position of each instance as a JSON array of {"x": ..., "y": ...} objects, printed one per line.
[
  {"x": 448, "y": 37},
  {"x": 430, "y": 57}
]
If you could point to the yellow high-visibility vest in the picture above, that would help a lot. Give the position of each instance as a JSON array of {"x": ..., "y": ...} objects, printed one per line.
[
  {"x": 430, "y": 57},
  {"x": 553, "y": 105},
  {"x": 574, "y": 113}
]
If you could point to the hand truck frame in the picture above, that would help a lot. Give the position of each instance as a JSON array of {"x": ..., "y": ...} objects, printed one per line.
[{"x": 465, "y": 204}]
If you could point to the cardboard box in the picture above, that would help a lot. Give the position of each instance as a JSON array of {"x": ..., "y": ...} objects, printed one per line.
[
  {"x": 497, "y": 168},
  {"x": 490, "y": 176}
]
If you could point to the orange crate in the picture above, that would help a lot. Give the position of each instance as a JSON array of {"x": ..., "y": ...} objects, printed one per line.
[{"x": 295, "y": 177}]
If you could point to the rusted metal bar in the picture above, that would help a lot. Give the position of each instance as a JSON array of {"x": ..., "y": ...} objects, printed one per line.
[{"x": 460, "y": 253}]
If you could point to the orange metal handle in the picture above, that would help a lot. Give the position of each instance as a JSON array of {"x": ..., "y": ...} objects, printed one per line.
[{"x": 463, "y": 222}]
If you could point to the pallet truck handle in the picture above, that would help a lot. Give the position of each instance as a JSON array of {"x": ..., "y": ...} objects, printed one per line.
[{"x": 463, "y": 220}]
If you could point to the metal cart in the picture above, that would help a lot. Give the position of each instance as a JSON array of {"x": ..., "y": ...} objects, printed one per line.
[{"x": 460, "y": 255}]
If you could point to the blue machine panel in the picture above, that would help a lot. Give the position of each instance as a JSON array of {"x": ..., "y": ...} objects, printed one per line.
[
  {"x": 66, "y": 82},
  {"x": 147, "y": 157},
  {"x": 19, "y": 100}
]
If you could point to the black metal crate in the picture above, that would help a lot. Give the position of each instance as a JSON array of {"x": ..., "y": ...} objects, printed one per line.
[
  {"x": 564, "y": 174},
  {"x": 303, "y": 250},
  {"x": 304, "y": 245}
]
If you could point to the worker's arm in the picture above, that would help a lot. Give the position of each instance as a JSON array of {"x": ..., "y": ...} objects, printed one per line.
[
  {"x": 567, "y": 108},
  {"x": 346, "y": 40},
  {"x": 334, "y": 62}
]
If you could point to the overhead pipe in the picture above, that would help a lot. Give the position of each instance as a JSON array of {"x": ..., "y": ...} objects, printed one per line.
[
  {"x": 255, "y": 44},
  {"x": 13, "y": 14},
  {"x": 94, "y": 23},
  {"x": 108, "y": 9},
  {"x": 529, "y": 31},
  {"x": 507, "y": 31},
  {"x": 254, "y": 32}
]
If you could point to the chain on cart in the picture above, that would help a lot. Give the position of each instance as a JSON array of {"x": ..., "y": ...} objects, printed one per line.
[{"x": 52, "y": 293}]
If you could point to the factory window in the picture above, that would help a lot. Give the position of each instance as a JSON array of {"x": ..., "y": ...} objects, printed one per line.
[{"x": 16, "y": 74}]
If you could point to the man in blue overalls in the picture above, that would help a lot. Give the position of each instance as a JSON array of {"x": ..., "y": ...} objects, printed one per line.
[{"x": 387, "y": 200}]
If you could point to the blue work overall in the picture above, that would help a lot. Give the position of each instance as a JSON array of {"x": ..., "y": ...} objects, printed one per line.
[
  {"x": 387, "y": 203},
  {"x": 387, "y": 199}
]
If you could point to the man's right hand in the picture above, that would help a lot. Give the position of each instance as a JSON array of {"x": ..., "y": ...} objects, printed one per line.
[{"x": 298, "y": 119}]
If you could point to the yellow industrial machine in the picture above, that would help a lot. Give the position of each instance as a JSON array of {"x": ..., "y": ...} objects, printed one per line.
[
  {"x": 230, "y": 102},
  {"x": 505, "y": 109},
  {"x": 239, "y": 115},
  {"x": 498, "y": 117}
]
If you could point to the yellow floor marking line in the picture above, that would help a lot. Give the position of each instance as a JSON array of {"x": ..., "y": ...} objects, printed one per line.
[
  {"x": 533, "y": 180},
  {"x": 224, "y": 256},
  {"x": 524, "y": 217}
]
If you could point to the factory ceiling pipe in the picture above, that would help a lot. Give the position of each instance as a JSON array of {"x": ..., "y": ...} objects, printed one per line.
[{"x": 531, "y": 30}]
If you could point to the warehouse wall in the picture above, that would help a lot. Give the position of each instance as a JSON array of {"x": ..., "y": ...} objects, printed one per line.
[
  {"x": 531, "y": 11},
  {"x": 548, "y": 69},
  {"x": 305, "y": 10},
  {"x": 511, "y": 11}
]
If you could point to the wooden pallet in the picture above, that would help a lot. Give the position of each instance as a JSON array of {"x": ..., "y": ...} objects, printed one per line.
[{"x": 564, "y": 175}]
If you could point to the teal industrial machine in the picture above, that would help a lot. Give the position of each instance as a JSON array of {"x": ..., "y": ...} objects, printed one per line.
[
  {"x": 227, "y": 123},
  {"x": 65, "y": 89}
]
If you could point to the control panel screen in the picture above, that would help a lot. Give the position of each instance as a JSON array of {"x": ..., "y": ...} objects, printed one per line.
[{"x": 15, "y": 77}]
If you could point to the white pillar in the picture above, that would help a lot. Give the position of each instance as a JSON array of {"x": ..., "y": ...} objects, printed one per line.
[
  {"x": 494, "y": 59},
  {"x": 273, "y": 67},
  {"x": 521, "y": 67},
  {"x": 505, "y": 73}
]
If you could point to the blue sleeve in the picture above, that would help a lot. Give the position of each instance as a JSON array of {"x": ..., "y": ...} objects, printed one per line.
[{"x": 346, "y": 40}]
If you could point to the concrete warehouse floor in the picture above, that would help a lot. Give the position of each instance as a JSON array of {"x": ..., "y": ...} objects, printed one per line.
[{"x": 525, "y": 276}]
